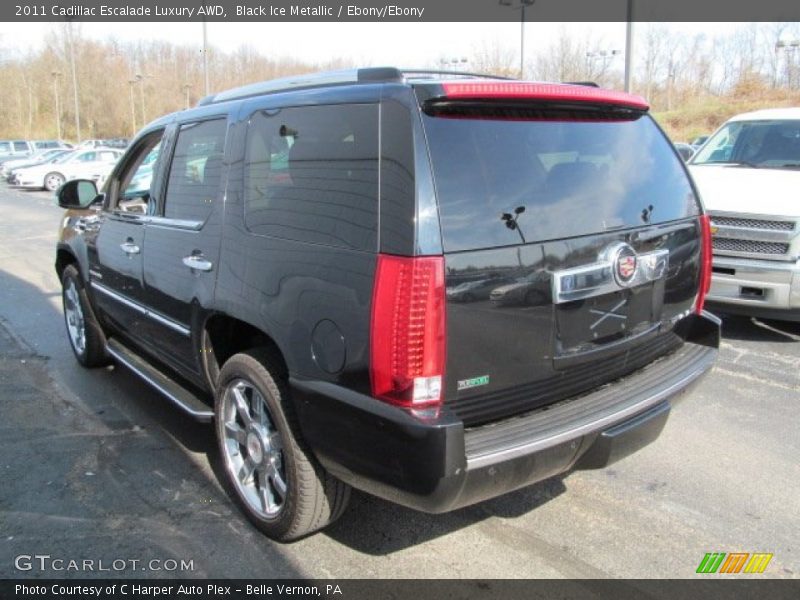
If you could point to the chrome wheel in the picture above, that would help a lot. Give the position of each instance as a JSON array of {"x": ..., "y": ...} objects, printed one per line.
[
  {"x": 73, "y": 313},
  {"x": 253, "y": 449}
]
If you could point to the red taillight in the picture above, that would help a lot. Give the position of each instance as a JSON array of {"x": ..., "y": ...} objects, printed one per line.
[
  {"x": 407, "y": 337},
  {"x": 556, "y": 92},
  {"x": 705, "y": 262}
]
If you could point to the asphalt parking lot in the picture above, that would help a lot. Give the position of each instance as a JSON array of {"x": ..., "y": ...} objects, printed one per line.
[{"x": 95, "y": 466}]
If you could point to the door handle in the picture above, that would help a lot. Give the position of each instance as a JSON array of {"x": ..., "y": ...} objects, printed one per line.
[
  {"x": 197, "y": 262},
  {"x": 129, "y": 247}
]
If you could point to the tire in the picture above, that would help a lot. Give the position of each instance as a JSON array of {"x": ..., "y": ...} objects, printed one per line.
[
  {"x": 53, "y": 181},
  {"x": 272, "y": 473},
  {"x": 85, "y": 335}
]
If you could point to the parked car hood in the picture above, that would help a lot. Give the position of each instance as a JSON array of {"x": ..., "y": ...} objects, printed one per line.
[{"x": 745, "y": 190}]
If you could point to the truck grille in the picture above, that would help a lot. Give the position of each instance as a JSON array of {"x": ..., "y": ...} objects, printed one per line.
[
  {"x": 753, "y": 223},
  {"x": 749, "y": 246}
]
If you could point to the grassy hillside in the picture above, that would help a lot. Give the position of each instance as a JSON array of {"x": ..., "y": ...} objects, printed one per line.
[{"x": 703, "y": 115}]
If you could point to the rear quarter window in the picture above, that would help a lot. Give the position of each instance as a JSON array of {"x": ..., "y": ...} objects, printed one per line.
[
  {"x": 501, "y": 182},
  {"x": 311, "y": 175}
]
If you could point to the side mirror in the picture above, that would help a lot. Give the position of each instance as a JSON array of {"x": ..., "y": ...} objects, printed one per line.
[{"x": 77, "y": 193}]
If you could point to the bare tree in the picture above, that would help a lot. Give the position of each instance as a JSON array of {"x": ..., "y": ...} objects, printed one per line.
[{"x": 494, "y": 57}]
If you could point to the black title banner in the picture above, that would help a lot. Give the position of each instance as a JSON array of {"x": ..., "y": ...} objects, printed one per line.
[{"x": 403, "y": 10}]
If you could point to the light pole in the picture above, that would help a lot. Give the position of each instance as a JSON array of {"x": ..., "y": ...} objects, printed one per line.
[
  {"x": 629, "y": 48},
  {"x": 603, "y": 56},
  {"x": 56, "y": 75},
  {"x": 521, "y": 6},
  {"x": 132, "y": 82},
  {"x": 453, "y": 63},
  {"x": 186, "y": 88},
  {"x": 789, "y": 48},
  {"x": 140, "y": 78},
  {"x": 205, "y": 54},
  {"x": 74, "y": 81}
]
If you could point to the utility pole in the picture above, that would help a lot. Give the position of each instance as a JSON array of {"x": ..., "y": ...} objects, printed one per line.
[
  {"x": 132, "y": 82},
  {"x": 56, "y": 75},
  {"x": 74, "y": 81},
  {"x": 140, "y": 78},
  {"x": 186, "y": 88}
]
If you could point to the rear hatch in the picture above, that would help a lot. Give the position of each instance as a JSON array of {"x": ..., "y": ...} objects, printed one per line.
[{"x": 570, "y": 215}]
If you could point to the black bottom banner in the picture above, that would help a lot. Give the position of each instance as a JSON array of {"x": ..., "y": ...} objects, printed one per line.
[{"x": 405, "y": 589}]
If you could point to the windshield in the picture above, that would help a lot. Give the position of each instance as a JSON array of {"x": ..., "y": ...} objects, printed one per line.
[
  {"x": 771, "y": 144},
  {"x": 65, "y": 158},
  {"x": 505, "y": 181}
]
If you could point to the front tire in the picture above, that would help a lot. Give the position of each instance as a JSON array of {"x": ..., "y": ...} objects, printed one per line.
[
  {"x": 274, "y": 476},
  {"x": 53, "y": 181},
  {"x": 83, "y": 330}
]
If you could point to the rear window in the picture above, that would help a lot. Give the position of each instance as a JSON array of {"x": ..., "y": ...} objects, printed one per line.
[{"x": 501, "y": 182}]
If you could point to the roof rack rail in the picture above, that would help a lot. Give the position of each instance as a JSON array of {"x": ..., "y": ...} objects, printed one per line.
[
  {"x": 583, "y": 83},
  {"x": 439, "y": 73},
  {"x": 329, "y": 78},
  {"x": 308, "y": 80}
]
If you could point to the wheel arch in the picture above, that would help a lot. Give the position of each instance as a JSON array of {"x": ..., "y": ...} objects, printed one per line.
[
  {"x": 223, "y": 336},
  {"x": 64, "y": 258}
]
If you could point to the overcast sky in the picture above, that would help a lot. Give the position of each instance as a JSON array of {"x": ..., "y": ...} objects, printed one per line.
[{"x": 401, "y": 44}]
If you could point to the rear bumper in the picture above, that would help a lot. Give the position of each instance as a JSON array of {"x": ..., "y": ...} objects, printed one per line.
[
  {"x": 438, "y": 466},
  {"x": 755, "y": 287}
]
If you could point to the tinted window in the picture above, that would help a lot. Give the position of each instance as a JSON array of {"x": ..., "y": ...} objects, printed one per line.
[
  {"x": 551, "y": 178},
  {"x": 195, "y": 174},
  {"x": 135, "y": 181},
  {"x": 20, "y": 147},
  {"x": 311, "y": 174}
]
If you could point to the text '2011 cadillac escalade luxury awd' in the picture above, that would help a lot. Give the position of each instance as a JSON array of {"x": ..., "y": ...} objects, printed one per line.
[{"x": 433, "y": 289}]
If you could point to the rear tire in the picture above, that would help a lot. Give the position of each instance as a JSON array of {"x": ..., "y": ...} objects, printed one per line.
[
  {"x": 85, "y": 335},
  {"x": 273, "y": 475}
]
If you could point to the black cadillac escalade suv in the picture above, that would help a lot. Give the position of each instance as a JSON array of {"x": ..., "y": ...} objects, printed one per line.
[{"x": 283, "y": 259}]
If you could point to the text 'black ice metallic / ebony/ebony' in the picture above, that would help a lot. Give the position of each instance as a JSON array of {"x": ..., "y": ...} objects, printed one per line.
[{"x": 436, "y": 288}]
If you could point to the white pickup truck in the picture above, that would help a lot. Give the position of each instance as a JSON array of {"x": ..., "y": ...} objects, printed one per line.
[{"x": 748, "y": 175}]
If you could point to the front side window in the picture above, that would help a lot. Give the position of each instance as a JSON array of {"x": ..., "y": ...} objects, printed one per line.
[
  {"x": 20, "y": 147},
  {"x": 133, "y": 188},
  {"x": 195, "y": 175},
  {"x": 311, "y": 175},
  {"x": 773, "y": 144}
]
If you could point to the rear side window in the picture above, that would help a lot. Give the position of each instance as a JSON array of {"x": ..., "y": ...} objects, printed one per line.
[
  {"x": 20, "y": 147},
  {"x": 195, "y": 174},
  {"x": 502, "y": 182},
  {"x": 311, "y": 174}
]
